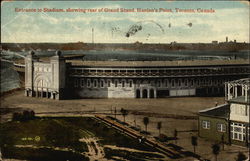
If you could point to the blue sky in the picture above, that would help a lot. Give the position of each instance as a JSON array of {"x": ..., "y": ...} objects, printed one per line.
[{"x": 230, "y": 19}]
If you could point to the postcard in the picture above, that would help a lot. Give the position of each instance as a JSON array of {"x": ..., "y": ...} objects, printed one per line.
[{"x": 125, "y": 80}]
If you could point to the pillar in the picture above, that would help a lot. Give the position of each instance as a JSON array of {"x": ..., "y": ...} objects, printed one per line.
[
  {"x": 148, "y": 93},
  {"x": 246, "y": 94},
  {"x": 51, "y": 95},
  {"x": 36, "y": 92},
  {"x": 228, "y": 91},
  {"x": 233, "y": 94},
  {"x": 47, "y": 93},
  {"x": 226, "y": 97},
  {"x": 141, "y": 94},
  {"x": 155, "y": 96},
  {"x": 235, "y": 91}
]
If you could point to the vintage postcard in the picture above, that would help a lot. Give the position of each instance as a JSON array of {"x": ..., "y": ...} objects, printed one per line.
[{"x": 125, "y": 81}]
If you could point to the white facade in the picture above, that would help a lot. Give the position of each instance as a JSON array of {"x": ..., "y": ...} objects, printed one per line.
[
  {"x": 45, "y": 79},
  {"x": 237, "y": 95}
]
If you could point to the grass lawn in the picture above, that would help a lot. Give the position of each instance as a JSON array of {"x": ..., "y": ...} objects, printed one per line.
[{"x": 68, "y": 138}]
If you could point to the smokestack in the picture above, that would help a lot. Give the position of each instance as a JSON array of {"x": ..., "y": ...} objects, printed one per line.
[
  {"x": 92, "y": 35},
  {"x": 226, "y": 39}
]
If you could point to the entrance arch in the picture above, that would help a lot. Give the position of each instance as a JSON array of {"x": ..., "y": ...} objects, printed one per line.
[
  {"x": 138, "y": 93},
  {"x": 145, "y": 93}
]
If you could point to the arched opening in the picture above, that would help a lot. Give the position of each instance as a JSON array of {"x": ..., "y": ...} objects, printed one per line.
[
  {"x": 151, "y": 93},
  {"x": 145, "y": 93},
  {"x": 49, "y": 95},
  {"x": 138, "y": 94}
]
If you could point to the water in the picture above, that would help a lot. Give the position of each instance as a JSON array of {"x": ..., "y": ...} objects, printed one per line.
[{"x": 10, "y": 79}]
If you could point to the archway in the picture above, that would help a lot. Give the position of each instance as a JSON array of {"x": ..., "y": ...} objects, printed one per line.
[
  {"x": 145, "y": 93},
  {"x": 151, "y": 93},
  {"x": 138, "y": 94}
]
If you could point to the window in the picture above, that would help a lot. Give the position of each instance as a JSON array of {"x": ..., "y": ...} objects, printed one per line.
[
  {"x": 186, "y": 82},
  {"x": 109, "y": 83},
  {"x": 130, "y": 83},
  {"x": 221, "y": 127},
  {"x": 248, "y": 133},
  {"x": 238, "y": 131},
  {"x": 206, "y": 124},
  {"x": 82, "y": 82},
  {"x": 116, "y": 83},
  {"x": 95, "y": 83},
  {"x": 102, "y": 83},
  {"x": 166, "y": 83},
  {"x": 159, "y": 83},
  {"x": 172, "y": 83},
  {"x": 123, "y": 83},
  {"x": 192, "y": 82},
  {"x": 76, "y": 83},
  {"x": 179, "y": 82}
]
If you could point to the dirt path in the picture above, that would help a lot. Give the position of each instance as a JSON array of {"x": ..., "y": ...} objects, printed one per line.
[
  {"x": 95, "y": 151},
  {"x": 164, "y": 157}
]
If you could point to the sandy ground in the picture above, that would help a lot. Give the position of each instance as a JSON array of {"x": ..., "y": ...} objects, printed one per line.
[{"x": 157, "y": 109}]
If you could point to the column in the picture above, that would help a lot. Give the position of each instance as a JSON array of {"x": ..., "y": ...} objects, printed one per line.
[
  {"x": 235, "y": 90},
  {"x": 36, "y": 92},
  {"x": 225, "y": 91},
  {"x": 233, "y": 95},
  {"x": 246, "y": 95},
  {"x": 148, "y": 93},
  {"x": 228, "y": 91},
  {"x": 155, "y": 96},
  {"x": 141, "y": 93},
  {"x": 47, "y": 93}
]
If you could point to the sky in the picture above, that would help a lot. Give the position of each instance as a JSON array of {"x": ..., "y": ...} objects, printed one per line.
[{"x": 230, "y": 19}]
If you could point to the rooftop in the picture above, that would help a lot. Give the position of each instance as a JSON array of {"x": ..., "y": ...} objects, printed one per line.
[
  {"x": 159, "y": 63},
  {"x": 245, "y": 81},
  {"x": 221, "y": 111}
]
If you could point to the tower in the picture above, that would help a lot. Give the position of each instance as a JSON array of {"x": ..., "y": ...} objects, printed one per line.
[
  {"x": 29, "y": 73},
  {"x": 58, "y": 69}
]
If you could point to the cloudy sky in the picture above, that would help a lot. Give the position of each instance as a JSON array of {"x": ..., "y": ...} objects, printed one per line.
[{"x": 229, "y": 19}]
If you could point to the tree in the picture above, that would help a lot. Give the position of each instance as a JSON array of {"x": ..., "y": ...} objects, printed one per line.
[
  {"x": 115, "y": 112},
  {"x": 216, "y": 150},
  {"x": 194, "y": 141},
  {"x": 145, "y": 122},
  {"x": 175, "y": 135},
  {"x": 124, "y": 113},
  {"x": 159, "y": 127},
  {"x": 241, "y": 157}
]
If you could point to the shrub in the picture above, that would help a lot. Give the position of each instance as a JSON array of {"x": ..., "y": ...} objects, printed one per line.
[{"x": 24, "y": 116}]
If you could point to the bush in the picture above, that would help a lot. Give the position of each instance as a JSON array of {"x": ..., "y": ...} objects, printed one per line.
[{"x": 24, "y": 116}]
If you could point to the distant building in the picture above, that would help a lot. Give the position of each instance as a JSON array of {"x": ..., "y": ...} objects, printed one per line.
[
  {"x": 214, "y": 42},
  {"x": 229, "y": 122}
]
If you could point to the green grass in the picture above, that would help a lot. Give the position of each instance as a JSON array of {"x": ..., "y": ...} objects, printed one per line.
[{"x": 61, "y": 132}]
